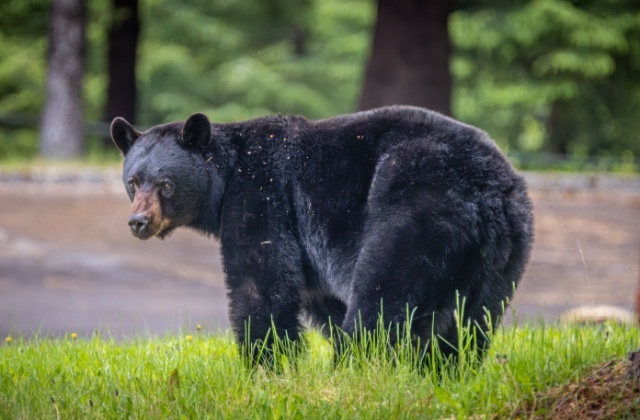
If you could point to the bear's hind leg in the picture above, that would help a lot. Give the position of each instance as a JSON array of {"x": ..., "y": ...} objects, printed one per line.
[
  {"x": 408, "y": 274},
  {"x": 325, "y": 312}
]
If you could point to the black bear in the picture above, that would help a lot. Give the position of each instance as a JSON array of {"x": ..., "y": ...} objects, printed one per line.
[{"x": 392, "y": 211}]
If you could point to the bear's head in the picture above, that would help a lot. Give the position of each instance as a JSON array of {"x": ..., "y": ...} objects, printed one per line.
[{"x": 166, "y": 174}]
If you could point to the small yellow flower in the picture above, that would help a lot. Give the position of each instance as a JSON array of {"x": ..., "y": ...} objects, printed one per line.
[
  {"x": 189, "y": 338},
  {"x": 74, "y": 335},
  {"x": 8, "y": 339},
  {"x": 198, "y": 327}
]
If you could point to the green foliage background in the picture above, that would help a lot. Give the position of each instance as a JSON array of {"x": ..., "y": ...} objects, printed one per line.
[{"x": 514, "y": 61}]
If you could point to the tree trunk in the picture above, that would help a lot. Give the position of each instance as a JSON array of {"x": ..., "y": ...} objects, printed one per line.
[
  {"x": 559, "y": 126},
  {"x": 62, "y": 127},
  {"x": 409, "y": 62},
  {"x": 122, "y": 47}
]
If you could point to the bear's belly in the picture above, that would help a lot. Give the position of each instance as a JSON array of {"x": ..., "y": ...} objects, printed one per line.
[{"x": 331, "y": 272}]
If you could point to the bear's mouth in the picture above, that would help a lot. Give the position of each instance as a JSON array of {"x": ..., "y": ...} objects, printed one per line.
[{"x": 143, "y": 235}]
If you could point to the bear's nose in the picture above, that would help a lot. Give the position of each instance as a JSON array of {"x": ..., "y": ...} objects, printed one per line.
[{"x": 138, "y": 223}]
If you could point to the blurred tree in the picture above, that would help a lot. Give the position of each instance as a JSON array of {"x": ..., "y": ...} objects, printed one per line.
[
  {"x": 409, "y": 61},
  {"x": 23, "y": 24},
  {"x": 121, "y": 61},
  {"x": 236, "y": 60},
  {"x": 62, "y": 128},
  {"x": 538, "y": 75}
]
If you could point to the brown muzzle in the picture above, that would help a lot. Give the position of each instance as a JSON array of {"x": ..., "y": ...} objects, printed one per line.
[{"x": 146, "y": 218}]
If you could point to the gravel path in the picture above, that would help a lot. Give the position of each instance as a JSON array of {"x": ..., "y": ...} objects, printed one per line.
[{"x": 68, "y": 263}]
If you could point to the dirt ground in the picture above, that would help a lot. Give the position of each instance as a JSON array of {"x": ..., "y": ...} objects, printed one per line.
[
  {"x": 608, "y": 391},
  {"x": 69, "y": 264}
]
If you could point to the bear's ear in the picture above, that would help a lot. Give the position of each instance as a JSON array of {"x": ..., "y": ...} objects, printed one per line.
[
  {"x": 123, "y": 134},
  {"x": 196, "y": 131}
]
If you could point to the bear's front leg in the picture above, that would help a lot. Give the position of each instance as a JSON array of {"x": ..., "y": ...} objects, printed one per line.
[
  {"x": 262, "y": 261},
  {"x": 264, "y": 283},
  {"x": 263, "y": 320}
]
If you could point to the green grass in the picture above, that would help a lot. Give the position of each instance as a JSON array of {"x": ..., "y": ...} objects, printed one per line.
[{"x": 198, "y": 375}]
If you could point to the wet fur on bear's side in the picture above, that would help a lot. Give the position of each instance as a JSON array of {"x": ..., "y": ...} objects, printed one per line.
[{"x": 337, "y": 219}]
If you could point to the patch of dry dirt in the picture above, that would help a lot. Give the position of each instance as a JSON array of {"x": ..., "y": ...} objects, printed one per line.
[{"x": 609, "y": 391}]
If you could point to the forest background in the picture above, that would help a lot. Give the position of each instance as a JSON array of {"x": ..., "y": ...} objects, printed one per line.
[{"x": 550, "y": 80}]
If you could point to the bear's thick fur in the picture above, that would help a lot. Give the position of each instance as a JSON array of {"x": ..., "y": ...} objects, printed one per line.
[{"x": 397, "y": 210}]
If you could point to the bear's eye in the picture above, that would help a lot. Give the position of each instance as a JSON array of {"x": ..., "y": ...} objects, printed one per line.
[
  {"x": 131, "y": 184},
  {"x": 166, "y": 185}
]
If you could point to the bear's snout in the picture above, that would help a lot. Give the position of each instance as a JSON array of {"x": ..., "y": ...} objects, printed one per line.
[
  {"x": 139, "y": 224},
  {"x": 147, "y": 219}
]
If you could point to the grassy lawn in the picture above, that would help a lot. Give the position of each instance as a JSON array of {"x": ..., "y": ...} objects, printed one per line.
[{"x": 529, "y": 371}]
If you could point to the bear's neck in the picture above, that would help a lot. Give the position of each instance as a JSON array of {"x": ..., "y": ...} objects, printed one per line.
[
  {"x": 219, "y": 162},
  {"x": 208, "y": 223}
]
